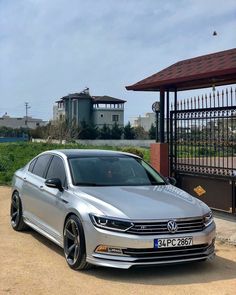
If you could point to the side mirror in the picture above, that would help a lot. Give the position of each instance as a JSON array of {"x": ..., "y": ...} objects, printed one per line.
[
  {"x": 171, "y": 180},
  {"x": 54, "y": 183}
]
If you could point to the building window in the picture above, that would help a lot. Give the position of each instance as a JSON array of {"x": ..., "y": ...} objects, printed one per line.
[{"x": 115, "y": 118}]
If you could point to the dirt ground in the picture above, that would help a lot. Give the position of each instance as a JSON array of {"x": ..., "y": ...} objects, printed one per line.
[{"x": 30, "y": 264}]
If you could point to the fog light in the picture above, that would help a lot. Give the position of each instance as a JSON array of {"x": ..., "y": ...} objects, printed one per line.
[
  {"x": 108, "y": 249},
  {"x": 102, "y": 248}
]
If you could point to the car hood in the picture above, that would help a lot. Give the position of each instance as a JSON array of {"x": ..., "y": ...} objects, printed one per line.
[{"x": 146, "y": 202}]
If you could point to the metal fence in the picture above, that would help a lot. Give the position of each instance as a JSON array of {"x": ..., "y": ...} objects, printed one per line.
[{"x": 203, "y": 135}]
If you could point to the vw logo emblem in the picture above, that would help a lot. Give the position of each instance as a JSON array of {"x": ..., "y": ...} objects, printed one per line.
[{"x": 172, "y": 226}]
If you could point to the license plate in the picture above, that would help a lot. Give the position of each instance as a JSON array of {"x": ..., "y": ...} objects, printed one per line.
[{"x": 173, "y": 242}]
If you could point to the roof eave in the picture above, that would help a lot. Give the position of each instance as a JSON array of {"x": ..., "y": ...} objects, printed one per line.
[{"x": 216, "y": 78}]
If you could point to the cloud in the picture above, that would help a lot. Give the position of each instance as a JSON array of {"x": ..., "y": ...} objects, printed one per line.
[{"x": 51, "y": 48}]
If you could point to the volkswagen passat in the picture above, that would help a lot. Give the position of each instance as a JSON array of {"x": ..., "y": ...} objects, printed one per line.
[{"x": 110, "y": 209}]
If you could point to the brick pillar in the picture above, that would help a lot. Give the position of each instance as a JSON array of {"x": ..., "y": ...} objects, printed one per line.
[{"x": 160, "y": 158}]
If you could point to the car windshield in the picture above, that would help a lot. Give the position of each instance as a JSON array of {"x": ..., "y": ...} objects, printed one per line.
[{"x": 113, "y": 171}]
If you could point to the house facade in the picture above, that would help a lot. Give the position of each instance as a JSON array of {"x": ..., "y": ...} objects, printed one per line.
[{"x": 97, "y": 110}]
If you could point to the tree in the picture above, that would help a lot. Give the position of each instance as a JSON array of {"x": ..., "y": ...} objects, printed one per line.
[
  {"x": 116, "y": 131},
  {"x": 105, "y": 132},
  {"x": 74, "y": 130},
  {"x": 88, "y": 131},
  {"x": 61, "y": 130},
  {"x": 93, "y": 131},
  {"x": 140, "y": 133},
  {"x": 152, "y": 132},
  {"x": 128, "y": 131}
]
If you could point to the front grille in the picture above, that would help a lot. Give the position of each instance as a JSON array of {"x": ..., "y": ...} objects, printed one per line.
[
  {"x": 160, "y": 227},
  {"x": 169, "y": 254}
]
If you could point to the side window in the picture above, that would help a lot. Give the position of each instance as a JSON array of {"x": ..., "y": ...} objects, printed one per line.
[
  {"x": 31, "y": 166},
  {"x": 57, "y": 170},
  {"x": 41, "y": 165}
]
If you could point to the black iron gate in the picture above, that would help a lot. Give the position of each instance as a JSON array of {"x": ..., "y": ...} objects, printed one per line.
[{"x": 203, "y": 148}]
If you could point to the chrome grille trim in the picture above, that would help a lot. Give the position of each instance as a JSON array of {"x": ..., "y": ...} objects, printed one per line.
[{"x": 160, "y": 227}]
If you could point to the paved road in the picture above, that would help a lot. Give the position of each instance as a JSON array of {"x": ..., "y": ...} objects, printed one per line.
[{"x": 30, "y": 264}]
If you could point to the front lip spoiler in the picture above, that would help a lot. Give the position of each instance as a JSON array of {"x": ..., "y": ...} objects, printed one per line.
[
  {"x": 125, "y": 265},
  {"x": 125, "y": 262}
]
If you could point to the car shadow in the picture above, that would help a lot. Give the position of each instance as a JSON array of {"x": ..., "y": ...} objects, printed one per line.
[
  {"x": 46, "y": 242},
  {"x": 188, "y": 273}
]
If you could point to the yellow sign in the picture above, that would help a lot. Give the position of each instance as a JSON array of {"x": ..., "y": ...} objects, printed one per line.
[{"x": 199, "y": 190}]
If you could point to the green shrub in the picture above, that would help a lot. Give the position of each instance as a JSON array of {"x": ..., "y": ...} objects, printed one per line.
[{"x": 133, "y": 150}]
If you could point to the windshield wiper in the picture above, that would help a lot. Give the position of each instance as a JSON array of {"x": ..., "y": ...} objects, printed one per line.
[
  {"x": 88, "y": 184},
  {"x": 158, "y": 183}
]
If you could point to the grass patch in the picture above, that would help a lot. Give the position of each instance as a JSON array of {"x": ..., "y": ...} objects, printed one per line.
[{"x": 15, "y": 155}]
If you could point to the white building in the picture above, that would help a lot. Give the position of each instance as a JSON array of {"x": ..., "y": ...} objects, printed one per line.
[
  {"x": 145, "y": 122},
  {"x": 21, "y": 122},
  {"x": 59, "y": 111}
]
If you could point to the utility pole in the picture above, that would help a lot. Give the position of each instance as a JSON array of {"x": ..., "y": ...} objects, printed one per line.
[{"x": 26, "y": 113}]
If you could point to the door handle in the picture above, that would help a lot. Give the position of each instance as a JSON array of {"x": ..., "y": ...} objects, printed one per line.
[{"x": 64, "y": 201}]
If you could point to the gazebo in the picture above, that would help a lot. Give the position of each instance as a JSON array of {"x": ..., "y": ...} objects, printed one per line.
[{"x": 215, "y": 69}]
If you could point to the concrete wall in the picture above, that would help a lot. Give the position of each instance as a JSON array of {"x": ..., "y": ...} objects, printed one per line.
[
  {"x": 109, "y": 142},
  {"x": 84, "y": 110},
  {"x": 79, "y": 110}
]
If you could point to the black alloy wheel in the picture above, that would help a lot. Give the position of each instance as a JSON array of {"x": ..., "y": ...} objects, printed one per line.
[
  {"x": 17, "y": 221},
  {"x": 74, "y": 244}
]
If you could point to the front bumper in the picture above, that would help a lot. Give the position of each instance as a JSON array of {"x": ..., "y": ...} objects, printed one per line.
[{"x": 139, "y": 250}]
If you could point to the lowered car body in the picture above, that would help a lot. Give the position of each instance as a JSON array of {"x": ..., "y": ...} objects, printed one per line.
[{"x": 110, "y": 209}]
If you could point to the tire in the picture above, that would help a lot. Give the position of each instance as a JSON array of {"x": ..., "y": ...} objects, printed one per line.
[
  {"x": 74, "y": 244},
  {"x": 17, "y": 221}
]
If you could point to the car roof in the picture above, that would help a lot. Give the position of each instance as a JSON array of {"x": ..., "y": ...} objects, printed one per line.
[{"x": 72, "y": 153}]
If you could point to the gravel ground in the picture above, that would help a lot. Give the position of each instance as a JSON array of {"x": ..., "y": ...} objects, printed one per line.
[{"x": 30, "y": 264}]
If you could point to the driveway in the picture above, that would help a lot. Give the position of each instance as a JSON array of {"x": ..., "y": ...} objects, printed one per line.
[{"x": 30, "y": 264}]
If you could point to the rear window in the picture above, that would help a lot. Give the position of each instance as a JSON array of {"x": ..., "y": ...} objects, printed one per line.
[
  {"x": 31, "y": 166},
  {"x": 41, "y": 165}
]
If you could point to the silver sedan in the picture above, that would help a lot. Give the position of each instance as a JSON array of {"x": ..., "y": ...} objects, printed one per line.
[{"x": 110, "y": 209}]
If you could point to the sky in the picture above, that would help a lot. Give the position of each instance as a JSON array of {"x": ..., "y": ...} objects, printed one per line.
[{"x": 49, "y": 49}]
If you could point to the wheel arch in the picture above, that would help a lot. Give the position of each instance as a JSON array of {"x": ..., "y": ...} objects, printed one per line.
[
  {"x": 14, "y": 191},
  {"x": 70, "y": 213}
]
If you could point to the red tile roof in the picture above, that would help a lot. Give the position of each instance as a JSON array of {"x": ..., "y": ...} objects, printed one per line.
[{"x": 204, "y": 71}]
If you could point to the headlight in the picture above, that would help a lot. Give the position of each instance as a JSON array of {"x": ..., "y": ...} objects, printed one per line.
[
  {"x": 208, "y": 219},
  {"x": 110, "y": 223}
]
